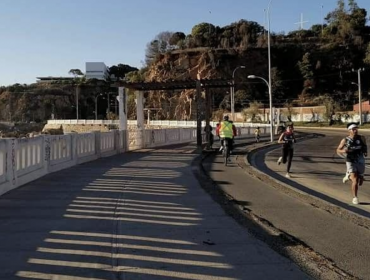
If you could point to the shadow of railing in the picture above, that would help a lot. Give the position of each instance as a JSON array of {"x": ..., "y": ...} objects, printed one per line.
[{"x": 115, "y": 220}]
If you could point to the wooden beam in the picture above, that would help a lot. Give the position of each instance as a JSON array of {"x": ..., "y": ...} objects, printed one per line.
[{"x": 174, "y": 85}]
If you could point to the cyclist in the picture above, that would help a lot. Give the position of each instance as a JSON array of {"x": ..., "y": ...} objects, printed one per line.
[
  {"x": 226, "y": 132},
  {"x": 234, "y": 134}
]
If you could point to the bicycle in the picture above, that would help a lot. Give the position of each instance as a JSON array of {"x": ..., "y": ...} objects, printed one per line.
[{"x": 226, "y": 150}]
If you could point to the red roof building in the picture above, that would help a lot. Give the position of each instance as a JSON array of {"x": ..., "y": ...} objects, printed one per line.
[{"x": 365, "y": 106}]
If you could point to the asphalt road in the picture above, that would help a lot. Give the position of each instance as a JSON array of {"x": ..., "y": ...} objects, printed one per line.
[{"x": 318, "y": 171}]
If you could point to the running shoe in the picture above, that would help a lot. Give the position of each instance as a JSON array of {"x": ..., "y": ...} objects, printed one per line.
[
  {"x": 355, "y": 201},
  {"x": 279, "y": 160},
  {"x": 346, "y": 178}
]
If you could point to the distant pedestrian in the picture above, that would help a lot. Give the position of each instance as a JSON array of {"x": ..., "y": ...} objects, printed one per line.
[
  {"x": 211, "y": 138},
  {"x": 287, "y": 138},
  {"x": 257, "y": 134},
  {"x": 354, "y": 148}
]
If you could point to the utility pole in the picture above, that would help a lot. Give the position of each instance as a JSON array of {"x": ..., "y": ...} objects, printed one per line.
[
  {"x": 359, "y": 91},
  {"x": 232, "y": 93},
  {"x": 269, "y": 65},
  {"x": 360, "y": 94},
  {"x": 264, "y": 23},
  {"x": 322, "y": 20},
  {"x": 209, "y": 32}
]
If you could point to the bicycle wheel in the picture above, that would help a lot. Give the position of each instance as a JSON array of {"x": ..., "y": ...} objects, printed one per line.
[{"x": 226, "y": 154}]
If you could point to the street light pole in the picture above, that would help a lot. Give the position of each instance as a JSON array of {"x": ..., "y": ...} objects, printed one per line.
[
  {"x": 322, "y": 20},
  {"x": 359, "y": 95},
  {"x": 108, "y": 108},
  {"x": 359, "y": 92},
  {"x": 77, "y": 91},
  {"x": 270, "y": 97},
  {"x": 96, "y": 105},
  {"x": 232, "y": 93},
  {"x": 269, "y": 83}
]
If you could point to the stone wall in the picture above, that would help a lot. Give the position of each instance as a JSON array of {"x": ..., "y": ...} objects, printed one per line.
[{"x": 80, "y": 128}]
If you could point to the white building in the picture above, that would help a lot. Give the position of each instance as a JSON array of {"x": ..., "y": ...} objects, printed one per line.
[{"x": 96, "y": 70}]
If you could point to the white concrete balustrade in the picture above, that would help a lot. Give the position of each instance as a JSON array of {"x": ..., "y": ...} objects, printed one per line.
[
  {"x": 27, "y": 159},
  {"x": 3, "y": 149},
  {"x": 24, "y": 160},
  {"x": 153, "y": 123},
  {"x": 86, "y": 146},
  {"x": 162, "y": 137}
]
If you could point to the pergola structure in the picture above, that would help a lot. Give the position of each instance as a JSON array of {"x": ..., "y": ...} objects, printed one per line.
[{"x": 141, "y": 87}]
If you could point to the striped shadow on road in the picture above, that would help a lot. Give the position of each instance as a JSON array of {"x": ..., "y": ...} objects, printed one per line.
[
  {"x": 141, "y": 211},
  {"x": 72, "y": 255},
  {"x": 134, "y": 186}
]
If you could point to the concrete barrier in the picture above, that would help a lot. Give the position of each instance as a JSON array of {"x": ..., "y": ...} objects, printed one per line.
[
  {"x": 27, "y": 159},
  {"x": 153, "y": 123}
]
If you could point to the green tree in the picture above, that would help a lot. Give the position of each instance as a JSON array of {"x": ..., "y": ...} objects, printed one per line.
[
  {"x": 204, "y": 34},
  {"x": 137, "y": 76},
  {"x": 306, "y": 69},
  {"x": 305, "y": 66},
  {"x": 253, "y": 112},
  {"x": 120, "y": 70},
  {"x": 367, "y": 56},
  {"x": 277, "y": 85},
  {"x": 78, "y": 82},
  {"x": 289, "y": 111},
  {"x": 316, "y": 29},
  {"x": 331, "y": 107},
  {"x": 241, "y": 99},
  {"x": 160, "y": 45},
  {"x": 75, "y": 72},
  {"x": 345, "y": 25},
  {"x": 176, "y": 38},
  {"x": 201, "y": 29}
]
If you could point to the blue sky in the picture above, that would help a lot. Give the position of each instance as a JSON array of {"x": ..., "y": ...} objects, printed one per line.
[{"x": 50, "y": 37}]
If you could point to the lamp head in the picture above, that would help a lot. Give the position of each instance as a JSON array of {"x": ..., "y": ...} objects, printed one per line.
[{"x": 251, "y": 77}]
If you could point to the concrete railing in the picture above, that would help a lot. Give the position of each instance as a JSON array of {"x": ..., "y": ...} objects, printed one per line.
[
  {"x": 27, "y": 159},
  {"x": 154, "y": 123},
  {"x": 24, "y": 160},
  {"x": 162, "y": 137}
]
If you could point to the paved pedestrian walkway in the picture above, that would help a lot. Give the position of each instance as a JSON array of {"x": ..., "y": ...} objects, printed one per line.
[{"x": 139, "y": 215}]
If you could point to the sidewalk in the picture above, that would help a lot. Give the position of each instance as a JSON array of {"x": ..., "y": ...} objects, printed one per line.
[{"x": 139, "y": 215}]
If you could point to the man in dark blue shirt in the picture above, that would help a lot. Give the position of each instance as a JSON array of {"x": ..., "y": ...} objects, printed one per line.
[{"x": 354, "y": 148}]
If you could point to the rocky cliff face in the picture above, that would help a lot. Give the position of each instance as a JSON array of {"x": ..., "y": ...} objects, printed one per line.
[{"x": 209, "y": 64}]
